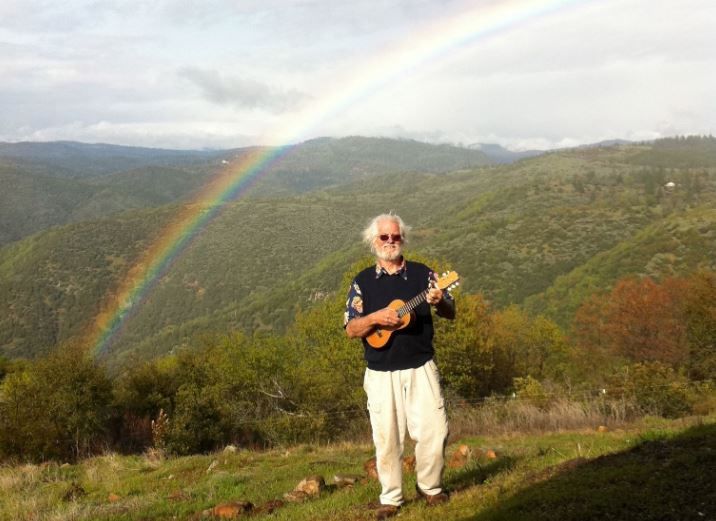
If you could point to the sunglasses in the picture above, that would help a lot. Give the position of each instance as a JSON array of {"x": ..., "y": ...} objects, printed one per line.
[{"x": 396, "y": 237}]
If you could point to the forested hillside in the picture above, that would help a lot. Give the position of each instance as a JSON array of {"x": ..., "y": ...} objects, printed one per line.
[
  {"x": 49, "y": 184},
  {"x": 545, "y": 232}
]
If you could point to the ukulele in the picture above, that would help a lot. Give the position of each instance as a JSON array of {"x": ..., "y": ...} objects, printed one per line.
[{"x": 381, "y": 335}]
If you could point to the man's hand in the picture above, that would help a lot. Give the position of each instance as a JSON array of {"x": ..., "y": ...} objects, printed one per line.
[
  {"x": 435, "y": 295},
  {"x": 386, "y": 317},
  {"x": 360, "y": 327}
]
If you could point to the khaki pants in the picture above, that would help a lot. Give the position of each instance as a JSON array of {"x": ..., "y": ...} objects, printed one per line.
[{"x": 408, "y": 398}]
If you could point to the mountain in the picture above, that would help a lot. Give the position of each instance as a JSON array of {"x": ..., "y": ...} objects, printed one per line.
[
  {"x": 542, "y": 232},
  {"x": 606, "y": 143},
  {"x": 499, "y": 154},
  {"x": 81, "y": 160},
  {"x": 52, "y": 184},
  {"x": 325, "y": 162}
]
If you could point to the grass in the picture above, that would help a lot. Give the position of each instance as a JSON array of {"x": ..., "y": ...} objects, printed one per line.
[{"x": 651, "y": 469}]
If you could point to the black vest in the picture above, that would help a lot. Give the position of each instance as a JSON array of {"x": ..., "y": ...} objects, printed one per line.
[{"x": 412, "y": 346}]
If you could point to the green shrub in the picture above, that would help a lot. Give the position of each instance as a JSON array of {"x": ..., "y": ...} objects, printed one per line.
[
  {"x": 199, "y": 421},
  {"x": 657, "y": 389},
  {"x": 57, "y": 407},
  {"x": 139, "y": 395},
  {"x": 532, "y": 391}
]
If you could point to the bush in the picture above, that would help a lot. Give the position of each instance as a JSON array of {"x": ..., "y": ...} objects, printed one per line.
[
  {"x": 57, "y": 407},
  {"x": 532, "y": 391},
  {"x": 656, "y": 388},
  {"x": 199, "y": 421},
  {"x": 139, "y": 395}
]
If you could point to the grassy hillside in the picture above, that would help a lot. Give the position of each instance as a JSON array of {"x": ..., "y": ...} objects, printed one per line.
[
  {"x": 652, "y": 470},
  {"x": 544, "y": 231}
]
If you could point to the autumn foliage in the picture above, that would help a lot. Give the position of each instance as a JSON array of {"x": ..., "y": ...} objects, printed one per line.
[{"x": 642, "y": 320}]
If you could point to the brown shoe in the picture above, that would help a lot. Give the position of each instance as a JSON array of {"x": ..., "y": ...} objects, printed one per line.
[
  {"x": 386, "y": 511},
  {"x": 436, "y": 499}
]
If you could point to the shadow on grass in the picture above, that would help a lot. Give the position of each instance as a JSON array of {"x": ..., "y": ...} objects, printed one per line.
[
  {"x": 475, "y": 475},
  {"x": 666, "y": 479}
]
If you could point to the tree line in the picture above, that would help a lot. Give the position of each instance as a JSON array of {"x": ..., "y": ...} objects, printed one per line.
[{"x": 647, "y": 339}]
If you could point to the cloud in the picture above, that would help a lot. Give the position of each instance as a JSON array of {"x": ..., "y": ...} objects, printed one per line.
[
  {"x": 240, "y": 92},
  {"x": 589, "y": 71}
]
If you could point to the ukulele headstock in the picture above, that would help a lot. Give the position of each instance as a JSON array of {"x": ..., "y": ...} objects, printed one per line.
[{"x": 448, "y": 280}]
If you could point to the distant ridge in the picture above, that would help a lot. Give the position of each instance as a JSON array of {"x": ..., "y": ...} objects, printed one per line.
[
  {"x": 502, "y": 155},
  {"x": 55, "y": 183},
  {"x": 607, "y": 143},
  {"x": 81, "y": 160}
]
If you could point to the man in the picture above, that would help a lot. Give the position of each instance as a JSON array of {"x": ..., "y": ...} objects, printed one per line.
[{"x": 401, "y": 379}]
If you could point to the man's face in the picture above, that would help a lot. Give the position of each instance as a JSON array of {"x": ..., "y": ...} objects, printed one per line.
[{"x": 388, "y": 243}]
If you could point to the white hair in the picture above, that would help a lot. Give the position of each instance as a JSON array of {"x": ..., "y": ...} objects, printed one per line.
[{"x": 371, "y": 231}]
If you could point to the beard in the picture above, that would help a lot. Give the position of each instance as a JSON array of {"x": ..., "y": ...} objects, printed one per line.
[{"x": 389, "y": 252}]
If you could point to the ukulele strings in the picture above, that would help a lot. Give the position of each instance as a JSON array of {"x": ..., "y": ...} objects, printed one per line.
[{"x": 412, "y": 304}]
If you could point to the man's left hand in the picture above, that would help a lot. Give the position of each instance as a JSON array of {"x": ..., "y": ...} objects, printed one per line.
[{"x": 435, "y": 295}]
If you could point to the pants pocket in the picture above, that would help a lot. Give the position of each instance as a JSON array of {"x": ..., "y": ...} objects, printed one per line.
[
  {"x": 372, "y": 390},
  {"x": 433, "y": 375}
]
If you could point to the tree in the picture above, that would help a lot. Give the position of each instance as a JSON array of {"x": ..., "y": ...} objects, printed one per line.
[
  {"x": 639, "y": 320},
  {"x": 530, "y": 346},
  {"x": 464, "y": 352},
  {"x": 700, "y": 311},
  {"x": 57, "y": 407}
]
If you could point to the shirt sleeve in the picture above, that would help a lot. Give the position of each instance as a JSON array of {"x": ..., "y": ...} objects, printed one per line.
[{"x": 354, "y": 304}]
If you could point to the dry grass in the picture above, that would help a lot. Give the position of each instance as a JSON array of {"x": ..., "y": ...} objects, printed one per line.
[{"x": 497, "y": 417}]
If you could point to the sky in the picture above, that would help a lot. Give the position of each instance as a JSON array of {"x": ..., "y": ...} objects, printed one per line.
[{"x": 524, "y": 74}]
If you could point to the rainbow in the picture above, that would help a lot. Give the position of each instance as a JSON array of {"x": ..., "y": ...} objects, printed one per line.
[{"x": 480, "y": 21}]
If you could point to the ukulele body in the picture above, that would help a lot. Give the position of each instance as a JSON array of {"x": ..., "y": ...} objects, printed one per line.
[{"x": 381, "y": 335}]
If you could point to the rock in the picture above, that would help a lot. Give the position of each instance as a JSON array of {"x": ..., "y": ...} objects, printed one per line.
[
  {"x": 490, "y": 454},
  {"x": 370, "y": 469},
  {"x": 311, "y": 486},
  {"x": 346, "y": 480},
  {"x": 295, "y": 496},
  {"x": 230, "y": 449},
  {"x": 409, "y": 464},
  {"x": 460, "y": 457},
  {"x": 231, "y": 510}
]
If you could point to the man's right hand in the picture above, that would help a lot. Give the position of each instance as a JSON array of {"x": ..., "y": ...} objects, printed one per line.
[
  {"x": 386, "y": 317},
  {"x": 361, "y": 327}
]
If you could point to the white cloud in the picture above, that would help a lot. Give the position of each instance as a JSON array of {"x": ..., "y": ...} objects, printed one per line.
[{"x": 166, "y": 70}]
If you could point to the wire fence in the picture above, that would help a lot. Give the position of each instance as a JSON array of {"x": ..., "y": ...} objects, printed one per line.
[{"x": 642, "y": 394}]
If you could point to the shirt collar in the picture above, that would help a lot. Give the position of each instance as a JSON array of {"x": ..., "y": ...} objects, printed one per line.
[{"x": 402, "y": 271}]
